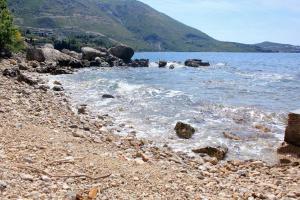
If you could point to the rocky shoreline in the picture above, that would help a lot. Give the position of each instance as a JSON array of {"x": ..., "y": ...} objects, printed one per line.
[{"x": 48, "y": 151}]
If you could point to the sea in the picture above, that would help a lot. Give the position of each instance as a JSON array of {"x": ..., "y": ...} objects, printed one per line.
[{"x": 245, "y": 94}]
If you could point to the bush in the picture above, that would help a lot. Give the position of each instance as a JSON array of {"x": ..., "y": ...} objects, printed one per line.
[{"x": 10, "y": 37}]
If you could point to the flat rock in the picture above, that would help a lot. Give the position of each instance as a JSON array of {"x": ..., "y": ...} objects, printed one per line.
[{"x": 217, "y": 152}]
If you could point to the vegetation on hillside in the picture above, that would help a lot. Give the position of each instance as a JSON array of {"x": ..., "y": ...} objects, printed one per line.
[
  {"x": 126, "y": 21},
  {"x": 10, "y": 37}
]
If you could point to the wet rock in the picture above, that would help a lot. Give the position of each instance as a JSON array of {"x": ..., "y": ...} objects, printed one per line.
[
  {"x": 217, "y": 152},
  {"x": 123, "y": 52},
  {"x": 82, "y": 110},
  {"x": 290, "y": 149},
  {"x": 139, "y": 63},
  {"x": 195, "y": 63},
  {"x": 56, "y": 83},
  {"x": 89, "y": 53},
  {"x": 58, "y": 88},
  {"x": 13, "y": 72},
  {"x": 172, "y": 67},
  {"x": 184, "y": 131},
  {"x": 107, "y": 96},
  {"x": 231, "y": 136},
  {"x": 292, "y": 132},
  {"x": 262, "y": 128},
  {"x": 162, "y": 64}
]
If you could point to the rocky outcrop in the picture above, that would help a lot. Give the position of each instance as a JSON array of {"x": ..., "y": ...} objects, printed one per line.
[
  {"x": 90, "y": 54},
  {"x": 217, "y": 152},
  {"x": 184, "y": 131},
  {"x": 36, "y": 54},
  {"x": 123, "y": 52},
  {"x": 195, "y": 63},
  {"x": 72, "y": 54},
  {"x": 139, "y": 63},
  {"x": 292, "y": 132},
  {"x": 162, "y": 64}
]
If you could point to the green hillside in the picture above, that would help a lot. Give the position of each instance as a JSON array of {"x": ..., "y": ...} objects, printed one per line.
[{"x": 127, "y": 21}]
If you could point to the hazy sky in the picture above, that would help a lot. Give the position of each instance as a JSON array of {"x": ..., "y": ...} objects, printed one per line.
[{"x": 246, "y": 21}]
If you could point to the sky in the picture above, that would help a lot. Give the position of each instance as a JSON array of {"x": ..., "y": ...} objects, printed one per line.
[{"x": 245, "y": 21}]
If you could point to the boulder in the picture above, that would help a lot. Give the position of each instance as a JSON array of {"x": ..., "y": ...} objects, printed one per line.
[
  {"x": 36, "y": 54},
  {"x": 184, "y": 131},
  {"x": 57, "y": 88},
  {"x": 89, "y": 53},
  {"x": 48, "y": 46},
  {"x": 195, "y": 63},
  {"x": 139, "y": 63},
  {"x": 172, "y": 67},
  {"x": 53, "y": 55},
  {"x": 107, "y": 96},
  {"x": 123, "y": 52},
  {"x": 13, "y": 72},
  {"x": 292, "y": 131},
  {"x": 217, "y": 152},
  {"x": 47, "y": 54},
  {"x": 73, "y": 54},
  {"x": 162, "y": 64}
]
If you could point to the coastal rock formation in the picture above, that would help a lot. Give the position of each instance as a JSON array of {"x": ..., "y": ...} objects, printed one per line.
[
  {"x": 292, "y": 132},
  {"x": 90, "y": 54},
  {"x": 184, "y": 131},
  {"x": 217, "y": 152},
  {"x": 107, "y": 96},
  {"x": 195, "y": 63},
  {"x": 139, "y": 63},
  {"x": 123, "y": 52},
  {"x": 162, "y": 64},
  {"x": 36, "y": 54}
]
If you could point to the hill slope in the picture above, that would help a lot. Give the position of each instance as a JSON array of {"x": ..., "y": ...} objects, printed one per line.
[
  {"x": 276, "y": 47},
  {"x": 127, "y": 21}
]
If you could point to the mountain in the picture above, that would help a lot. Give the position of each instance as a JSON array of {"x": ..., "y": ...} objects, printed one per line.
[
  {"x": 276, "y": 47},
  {"x": 127, "y": 21}
]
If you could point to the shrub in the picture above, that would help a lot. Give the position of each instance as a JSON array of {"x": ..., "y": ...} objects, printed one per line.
[{"x": 10, "y": 37}]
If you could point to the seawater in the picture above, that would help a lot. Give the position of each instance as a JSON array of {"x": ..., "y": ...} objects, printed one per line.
[{"x": 237, "y": 93}]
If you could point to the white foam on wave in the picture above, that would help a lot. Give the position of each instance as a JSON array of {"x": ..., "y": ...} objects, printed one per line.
[
  {"x": 267, "y": 76},
  {"x": 124, "y": 87}
]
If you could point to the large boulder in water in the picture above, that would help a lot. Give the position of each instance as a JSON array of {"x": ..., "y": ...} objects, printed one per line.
[
  {"x": 123, "y": 52},
  {"x": 195, "y": 63},
  {"x": 292, "y": 132},
  {"x": 184, "y": 131},
  {"x": 217, "y": 152},
  {"x": 162, "y": 64},
  {"x": 90, "y": 54}
]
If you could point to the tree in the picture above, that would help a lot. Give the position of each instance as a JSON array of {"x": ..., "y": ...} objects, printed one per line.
[{"x": 10, "y": 37}]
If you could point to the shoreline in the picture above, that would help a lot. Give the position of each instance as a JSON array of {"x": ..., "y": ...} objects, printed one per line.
[{"x": 48, "y": 151}]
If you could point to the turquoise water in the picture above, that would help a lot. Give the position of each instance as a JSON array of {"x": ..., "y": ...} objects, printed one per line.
[{"x": 237, "y": 93}]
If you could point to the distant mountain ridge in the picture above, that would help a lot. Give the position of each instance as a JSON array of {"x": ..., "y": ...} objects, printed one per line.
[
  {"x": 276, "y": 47},
  {"x": 126, "y": 21}
]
